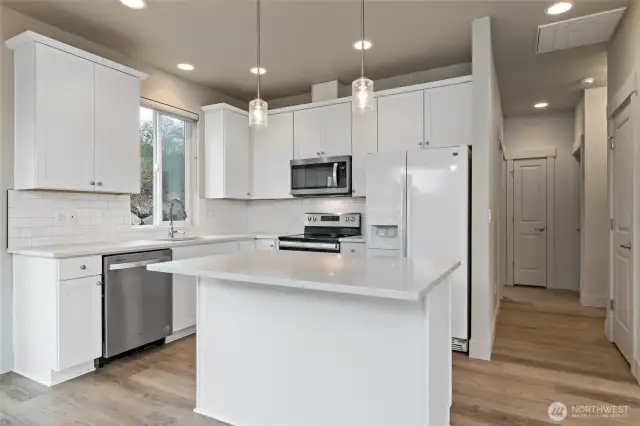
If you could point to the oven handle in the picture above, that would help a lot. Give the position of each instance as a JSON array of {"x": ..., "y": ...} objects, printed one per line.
[
  {"x": 130, "y": 265},
  {"x": 335, "y": 175},
  {"x": 321, "y": 246}
]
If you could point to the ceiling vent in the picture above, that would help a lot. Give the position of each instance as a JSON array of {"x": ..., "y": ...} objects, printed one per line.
[{"x": 580, "y": 31}]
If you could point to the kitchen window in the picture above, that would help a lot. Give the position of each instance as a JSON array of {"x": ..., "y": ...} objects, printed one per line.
[{"x": 166, "y": 141}]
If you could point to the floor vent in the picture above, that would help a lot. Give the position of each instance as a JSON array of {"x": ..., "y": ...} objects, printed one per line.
[
  {"x": 459, "y": 345},
  {"x": 590, "y": 29}
]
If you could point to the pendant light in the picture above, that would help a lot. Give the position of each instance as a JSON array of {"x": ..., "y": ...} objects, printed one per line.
[
  {"x": 258, "y": 109},
  {"x": 362, "y": 88}
]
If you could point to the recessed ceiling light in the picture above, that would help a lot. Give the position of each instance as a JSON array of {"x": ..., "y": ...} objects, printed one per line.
[
  {"x": 541, "y": 105},
  {"x": 186, "y": 67},
  {"x": 559, "y": 8},
  {"x": 588, "y": 80},
  {"x": 254, "y": 70},
  {"x": 134, "y": 4},
  {"x": 358, "y": 45}
]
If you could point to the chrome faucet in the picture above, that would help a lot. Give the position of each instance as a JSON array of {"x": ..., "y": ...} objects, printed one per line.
[{"x": 172, "y": 230}]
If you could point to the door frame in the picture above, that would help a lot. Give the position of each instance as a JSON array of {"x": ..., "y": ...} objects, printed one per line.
[
  {"x": 548, "y": 153},
  {"x": 627, "y": 97}
]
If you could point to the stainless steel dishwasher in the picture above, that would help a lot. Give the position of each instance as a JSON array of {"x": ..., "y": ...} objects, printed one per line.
[{"x": 138, "y": 304}]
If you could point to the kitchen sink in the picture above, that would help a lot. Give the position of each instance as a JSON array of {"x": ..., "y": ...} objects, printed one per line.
[{"x": 177, "y": 239}]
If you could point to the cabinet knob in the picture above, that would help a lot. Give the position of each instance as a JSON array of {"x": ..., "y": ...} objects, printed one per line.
[
  {"x": 99, "y": 183},
  {"x": 353, "y": 191},
  {"x": 419, "y": 143},
  {"x": 248, "y": 193},
  {"x": 83, "y": 267},
  {"x": 99, "y": 283},
  {"x": 271, "y": 246},
  {"x": 353, "y": 250},
  {"x": 426, "y": 143},
  {"x": 92, "y": 183},
  {"x": 318, "y": 153}
]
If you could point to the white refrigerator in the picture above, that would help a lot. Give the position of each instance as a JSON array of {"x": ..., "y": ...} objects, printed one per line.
[{"x": 418, "y": 207}]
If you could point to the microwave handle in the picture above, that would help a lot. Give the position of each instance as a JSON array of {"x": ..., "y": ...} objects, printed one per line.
[{"x": 335, "y": 175}]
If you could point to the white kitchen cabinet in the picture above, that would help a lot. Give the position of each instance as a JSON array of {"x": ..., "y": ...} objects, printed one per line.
[
  {"x": 227, "y": 153},
  {"x": 322, "y": 131},
  {"x": 75, "y": 122},
  {"x": 184, "y": 287},
  {"x": 364, "y": 142},
  {"x": 57, "y": 321},
  {"x": 358, "y": 249},
  {"x": 117, "y": 130},
  {"x": 79, "y": 321},
  {"x": 401, "y": 122},
  {"x": 448, "y": 115},
  {"x": 272, "y": 153}
]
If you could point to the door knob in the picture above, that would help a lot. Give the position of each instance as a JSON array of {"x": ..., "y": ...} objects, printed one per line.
[
  {"x": 539, "y": 229},
  {"x": 626, "y": 246}
]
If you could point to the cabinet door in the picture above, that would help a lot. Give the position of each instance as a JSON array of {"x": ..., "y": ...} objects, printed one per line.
[
  {"x": 117, "y": 121},
  {"x": 64, "y": 120},
  {"x": 336, "y": 138},
  {"x": 79, "y": 321},
  {"x": 272, "y": 153},
  {"x": 401, "y": 122},
  {"x": 448, "y": 115},
  {"x": 365, "y": 142},
  {"x": 308, "y": 126},
  {"x": 353, "y": 248},
  {"x": 237, "y": 157},
  {"x": 266, "y": 245}
]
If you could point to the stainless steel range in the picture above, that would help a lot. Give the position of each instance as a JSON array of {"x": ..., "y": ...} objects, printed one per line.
[{"x": 322, "y": 232}]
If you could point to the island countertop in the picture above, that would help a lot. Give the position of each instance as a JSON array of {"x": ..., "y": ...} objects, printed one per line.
[{"x": 389, "y": 278}]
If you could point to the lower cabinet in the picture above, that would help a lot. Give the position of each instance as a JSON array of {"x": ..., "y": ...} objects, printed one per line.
[
  {"x": 266, "y": 244},
  {"x": 57, "y": 317},
  {"x": 353, "y": 248}
]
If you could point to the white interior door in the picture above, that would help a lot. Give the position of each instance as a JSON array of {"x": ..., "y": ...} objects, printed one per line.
[
  {"x": 530, "y": 222},
  {"x": 623, "y": 234}
]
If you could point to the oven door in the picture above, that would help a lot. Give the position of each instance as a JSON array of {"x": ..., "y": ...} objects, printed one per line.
[
  {"x": 321, "y": 176},
  {"x": 309, "y": 246}
]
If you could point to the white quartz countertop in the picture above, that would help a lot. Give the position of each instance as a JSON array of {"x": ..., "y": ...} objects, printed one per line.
[
  {"x": 382, "y": 277},
  {"x": 356, "y": 239},
  {"x": 112, "y": 247}
]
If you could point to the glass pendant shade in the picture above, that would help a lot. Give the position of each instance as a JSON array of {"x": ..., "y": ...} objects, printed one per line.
[
  {"x": 258, "y": 113},
  {"x": 362, "y": 95}
]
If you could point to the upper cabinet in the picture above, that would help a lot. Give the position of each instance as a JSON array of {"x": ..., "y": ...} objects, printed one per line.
[
  {"x": 76, "y": 119},
  {"x": 272, "y": 153},
  {"x": 401, "y": 121},
  {"x": 448, "y": 115},
  {"x": 322, "y": 131},
  {"x": 227, "y": 153},
  {"x": 364, "y": 136}
]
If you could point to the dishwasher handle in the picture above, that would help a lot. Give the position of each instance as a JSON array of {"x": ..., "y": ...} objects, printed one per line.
[{"x": 130, "y": 265}]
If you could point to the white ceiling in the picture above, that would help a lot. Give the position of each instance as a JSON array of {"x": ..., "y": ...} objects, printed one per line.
[{"x": 309, "y": 41}]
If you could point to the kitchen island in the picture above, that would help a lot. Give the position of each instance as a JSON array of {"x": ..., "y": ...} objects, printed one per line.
[{"x": 290, "y": 338}]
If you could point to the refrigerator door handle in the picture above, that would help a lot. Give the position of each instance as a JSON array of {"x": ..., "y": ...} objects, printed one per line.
[{"x": 405, "y": 210}]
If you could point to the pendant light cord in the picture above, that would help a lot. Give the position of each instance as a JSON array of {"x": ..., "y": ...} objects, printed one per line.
[
  {"x": 258, "y": 42},
  {"x": 362, "y": 38}
]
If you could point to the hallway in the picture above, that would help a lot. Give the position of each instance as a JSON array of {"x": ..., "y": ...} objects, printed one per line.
[{"x": 547, "y": 348}]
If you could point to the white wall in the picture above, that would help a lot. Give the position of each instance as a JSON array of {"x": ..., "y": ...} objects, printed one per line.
[
  {"x": 555, "y": 130},
  {"x": 623, "y": 65},
  {"x": 443, "y": 73},
  {"x": 485, "y": 199},
  {"x": 160, "y": 86},
  {"x": 594, "y": 288}
]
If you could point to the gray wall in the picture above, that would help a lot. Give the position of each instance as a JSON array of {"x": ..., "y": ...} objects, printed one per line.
[
  {"x": 160, "y": 86},
  {"x": 555, "y": 130},
  {"x": 419, "y": 77},
  {"x": 485, "y": 199}
]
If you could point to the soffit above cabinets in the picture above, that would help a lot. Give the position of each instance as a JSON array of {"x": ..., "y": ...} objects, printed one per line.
[{"x": 590, "y": 29}]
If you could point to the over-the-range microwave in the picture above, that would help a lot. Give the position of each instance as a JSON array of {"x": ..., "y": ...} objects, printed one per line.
[{"x": 321, "y": 176}]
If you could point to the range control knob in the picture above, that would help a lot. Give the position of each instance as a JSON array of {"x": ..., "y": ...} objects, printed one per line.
[
  {"x": 353, "y": 218},
  {"x": 314, "y": 219},
  {"x": 347, "y": 219},
  {"x": 309, "y": 218}
]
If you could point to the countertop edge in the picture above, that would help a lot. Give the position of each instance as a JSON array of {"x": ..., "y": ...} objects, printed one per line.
[
  {"x": 412, "y": 296},
  {"x": 44, "y": 251}
]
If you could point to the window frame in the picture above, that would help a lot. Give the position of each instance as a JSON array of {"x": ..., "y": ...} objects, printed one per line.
[{"x": 190, "y": 141}]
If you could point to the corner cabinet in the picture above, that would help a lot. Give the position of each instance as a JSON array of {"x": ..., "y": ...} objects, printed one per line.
[
  {"x": 76, "y": 119},
  {"x": 227, "y": 153}
]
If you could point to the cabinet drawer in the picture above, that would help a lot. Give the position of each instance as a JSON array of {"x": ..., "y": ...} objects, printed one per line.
[
  {"x": 79, "y": 267},
  {"x": 266, "y": 245},
  {"x": 352, "y": 248}
]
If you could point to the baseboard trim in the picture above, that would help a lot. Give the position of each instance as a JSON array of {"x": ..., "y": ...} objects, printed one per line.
[
  {"x": 56, "y": 377},
  {"x": 482, "y": 348},
  {"x": 181, "y": 334},
  {"x": 593, "y": 301},
  {"x": 636, "y": 370}
]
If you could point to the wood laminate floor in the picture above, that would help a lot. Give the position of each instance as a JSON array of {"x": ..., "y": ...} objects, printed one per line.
[{"x": 548, "y": 348}]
